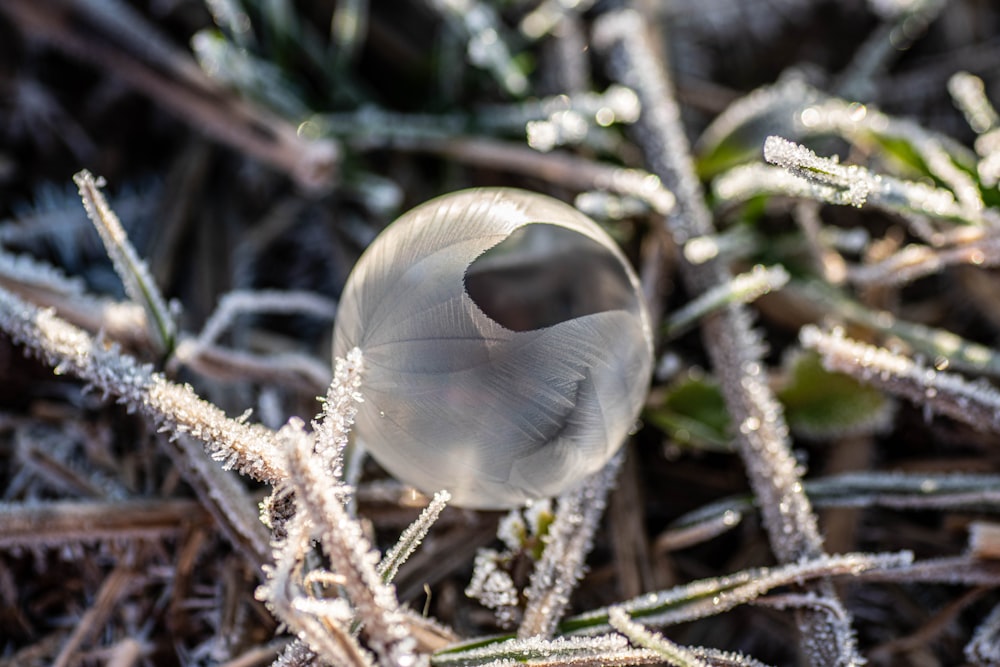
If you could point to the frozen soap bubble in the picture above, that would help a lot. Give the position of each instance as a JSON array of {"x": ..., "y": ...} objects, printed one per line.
[{"x": 507, "y": 348}]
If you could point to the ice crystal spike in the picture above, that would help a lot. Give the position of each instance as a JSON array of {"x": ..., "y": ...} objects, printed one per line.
[
  {"x": 507, "y": 346},
  {"x": 493, "y": 587},
  {"x": 339, "y": 409}
]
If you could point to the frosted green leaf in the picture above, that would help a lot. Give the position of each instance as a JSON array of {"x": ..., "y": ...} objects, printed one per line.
[
  {"x": 735, "y": 136},
  {"x": 506, "y": 344},
  {"x": 823, "y": 404}
]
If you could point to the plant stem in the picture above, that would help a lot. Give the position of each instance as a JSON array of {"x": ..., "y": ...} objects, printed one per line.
[{"x": 735, "y": 350}]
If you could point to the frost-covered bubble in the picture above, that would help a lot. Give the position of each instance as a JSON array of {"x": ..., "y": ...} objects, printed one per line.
[{"x": 507, "y": 347}]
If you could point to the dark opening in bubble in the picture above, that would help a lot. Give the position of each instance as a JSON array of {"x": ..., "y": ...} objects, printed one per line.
[{"x": 545, "y": 274}]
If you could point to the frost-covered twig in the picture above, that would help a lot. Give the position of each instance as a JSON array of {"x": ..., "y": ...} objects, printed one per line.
[
  {"x": 969, "y": 94},
  {"x": 854, "y": 185},
  {"x": 640, "y": 636},
  {"x": 708, "y": 597},
  {"x": 412, "y": 537},
  {"x": 246, "y": 302},
  {"x": 296, "y": 654},
  {"x": 735, "y": 351},
  {"x": 984, "y": 648},
  {"x": 705, "y": 526},
  {"x": 916, "y": 261},
  {"x": 952, "y": 570},
  {"x": 344, "y": 543},
  {"x": 557, "y": 167},
  {"x": 58, "y": 523},
  {"x": 744, "y": 288},
  {"x": 568, "y": 541},
  {"x": 176, "y": 407},
  {"x": 751, "y": 180},
  {"x": 317, "y": 494},
  {"x": 326, "y": 633},
  {"x": 139, "y": 284},
  {"x": 597, "y": 651},
  {"x": 827, "y": 180},
  {"x": 225, "y": 497},
  {"x": 864, "y": 126},
  {"x": 45, "y": 285},
  {"x": 945, "y": 347},
  {"x": 339, "y": 409},
  {"x": 898, "y": 491},
  {"x": 973, "y": 403},
  {"x": 698, "y": 599},
  {"x": 247, "y": 448},
  {"x": 288, "y": 369}
]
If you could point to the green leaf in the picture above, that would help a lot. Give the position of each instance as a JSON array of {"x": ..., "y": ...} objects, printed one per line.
[
  {"x": 899, "y": 156},
  {"x": 820, "y": 404},
  {"x": 736, "y": 136},
  {"x": 693, "y": 413}
]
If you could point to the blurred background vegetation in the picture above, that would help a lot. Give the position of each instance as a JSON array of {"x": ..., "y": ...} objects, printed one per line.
[{"x": 262, "y": 144}]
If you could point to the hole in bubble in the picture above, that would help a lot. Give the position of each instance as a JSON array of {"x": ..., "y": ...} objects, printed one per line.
[{"x": 544, "y": 274}]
